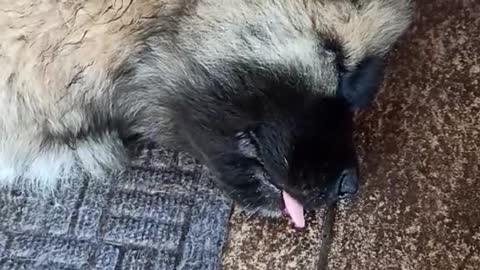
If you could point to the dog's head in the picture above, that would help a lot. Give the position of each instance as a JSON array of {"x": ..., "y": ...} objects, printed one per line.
[{"x": 269, "y": 89}]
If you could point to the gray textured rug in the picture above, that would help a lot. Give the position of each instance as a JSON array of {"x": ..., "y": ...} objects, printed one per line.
[{"x": 161, "y": 214}]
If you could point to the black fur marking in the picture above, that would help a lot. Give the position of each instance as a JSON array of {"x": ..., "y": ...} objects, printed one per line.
[
  {"x": 301, "y": 138},
  {"x": 360, "y": 85},
  {"x": 304, "y": 139}
]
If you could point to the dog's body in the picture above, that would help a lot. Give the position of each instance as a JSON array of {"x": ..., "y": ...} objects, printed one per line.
[
  {"x": 78, "y": 78},
  {"x": 57, "y": 81}
]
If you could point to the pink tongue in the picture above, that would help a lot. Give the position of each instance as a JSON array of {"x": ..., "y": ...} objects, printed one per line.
[{"x": 294, "y": 210}]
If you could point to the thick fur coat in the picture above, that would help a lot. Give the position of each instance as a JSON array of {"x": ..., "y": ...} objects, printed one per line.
[{"x": 241, "y": 84}]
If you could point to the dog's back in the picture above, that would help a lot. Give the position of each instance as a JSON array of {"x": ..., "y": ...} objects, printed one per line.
[{"x": 55, "y": 59}]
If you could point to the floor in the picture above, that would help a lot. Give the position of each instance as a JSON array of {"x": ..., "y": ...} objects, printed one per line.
[
  {"x": 161, "y": 214},
  {"x": 419, "y": 205}
]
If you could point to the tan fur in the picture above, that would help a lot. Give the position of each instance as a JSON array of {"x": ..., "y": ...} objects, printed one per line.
[
  {"x": 54, "y": 53},
  {"x": 369, "y": 29},
  {"x": 58, "y": 56}
]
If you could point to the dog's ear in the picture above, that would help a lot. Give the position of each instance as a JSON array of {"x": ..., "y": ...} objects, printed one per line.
[{"x": 360, "y": 85}]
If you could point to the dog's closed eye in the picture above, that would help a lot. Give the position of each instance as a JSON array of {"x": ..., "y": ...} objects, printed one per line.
[{"x": 246, "y": 145}]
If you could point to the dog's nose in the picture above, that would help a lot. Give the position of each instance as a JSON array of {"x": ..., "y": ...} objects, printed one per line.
[{"x": 348, "y": 183}]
